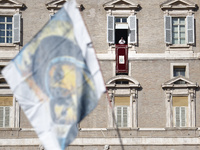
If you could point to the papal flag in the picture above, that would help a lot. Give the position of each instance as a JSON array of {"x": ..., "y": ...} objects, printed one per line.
[{"x": 56, "y": 78}]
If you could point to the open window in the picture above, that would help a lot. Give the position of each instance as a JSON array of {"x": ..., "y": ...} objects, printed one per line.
[
  {"x": 121, "y": 24},
  {"x": 123, "y": 91},
  {"x": 180, "y": 100}
]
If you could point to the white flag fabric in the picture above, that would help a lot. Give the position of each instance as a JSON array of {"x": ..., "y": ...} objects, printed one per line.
[{"x": 56, "y": 78}]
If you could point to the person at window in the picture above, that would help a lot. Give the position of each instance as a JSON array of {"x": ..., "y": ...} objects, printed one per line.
[{"x": 122, "y": 41}]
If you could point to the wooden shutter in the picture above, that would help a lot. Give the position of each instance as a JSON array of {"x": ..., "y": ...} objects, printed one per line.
[
  {"x": 16, "y": 28},
  {"x": 119, "y": 115},
  {"x": 4, "y": 116},
  {"x": 110, "y": 29},
  {"x": 190, "y": 29},
  {"x": 132, "y": 21},
  {"x": 1, "y": 117},
  {"x": 177, "y": 116},
  {"x": 183, "y": 117},
  {"x": 125, "y": 116},
  {"x": 168, "y": 29}
]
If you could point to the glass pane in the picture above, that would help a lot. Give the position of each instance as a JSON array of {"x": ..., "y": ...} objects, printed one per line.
[
  {"x": 2, "y": 40},
  {"x": 9, "y": 40},
  {"x": 2, "y": 33},
  {"x": 182, "y": 34},
  {"x": 124, "y": 20},
  {"x": 2, "y": 19},
  {"x": 9, "y": 33},
  {"x": 174, "y": 21},
  {"x": 175, "y": 41},
  {"x": 182, "y": 28},
  {"x": 9, "y": 26},
  {"x": 2, "y": 26},
  {"x": 175, "y": 28},
  {"x": 117, "y": 19},
  {"x": 175, "y": 35},
  {"x": 182, "y": 41},
  {"x": 9, "y": 19},
  {"x": 182, "y": 20}
]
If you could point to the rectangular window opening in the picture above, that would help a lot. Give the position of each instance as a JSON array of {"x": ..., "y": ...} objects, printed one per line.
[
  {"x": 122, "y": 105},
  {"x": 6, "y": 30},
  {"x": 178, "y": 30},
  {"x": 179, "y": 71}
]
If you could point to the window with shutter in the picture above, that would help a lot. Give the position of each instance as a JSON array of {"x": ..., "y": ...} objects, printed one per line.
[
  {"x": 180, "y": 105},
  {"x": 5, "y": 111},
  {"x": 122, "y": 116},
  {"x": 179, "y": 24},
  {"x": 122, "y": 105},
  {"x": 10, "y": 29},
  {"x": 4, "y": 116}
]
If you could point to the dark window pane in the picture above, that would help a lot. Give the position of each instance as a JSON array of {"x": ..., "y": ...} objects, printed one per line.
[
  {"x": 2, "y": 40},
  {"x": 124, "y": 20},
  {"x": 9, "y": 26},
  {"x": 9, "y": 33},
  {"x": 9, "y": 19},
  {"x": 9, "y": 40},
  {"x": 2, "y": 27},
  {"x": 179, "y": 71},
  {"x": 2, "y": 19},
  {"x": 117, "y": 20},
  {"x": 2, "y": 33}
]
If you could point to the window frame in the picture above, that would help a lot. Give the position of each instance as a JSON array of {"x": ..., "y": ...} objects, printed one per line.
[
  {"x": 173, "y": 65},
  {"x": 11, "y": 109},
  {"x": 5, "y": 23},
  {"x": 180, "y": 90},
  {"x": 123, "y": 90},
  {"x": 179, "y": 32}
]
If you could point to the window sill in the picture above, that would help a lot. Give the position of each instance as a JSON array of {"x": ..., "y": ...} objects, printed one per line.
[
  {"x": 7, "y": 45},
  {"x": 123, "y": 128},
  {"x": 179, "y": 46},
  {"x": 180, "y": 128}
]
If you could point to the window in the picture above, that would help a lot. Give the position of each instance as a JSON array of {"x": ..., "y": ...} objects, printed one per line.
[
  {"x": 122, "y": 105},
  {"x": 180, "y": 100},
  {"x": 180, "y": 111},
  {"x": 179, "y": 71},
  {"x": 121, "y": 24},
  {"x": 5, "y": 111},
  {"x": 122, "y": 92},
  {"x": 178, "y": 31},
  {"x": 5, "y": 29},
  {"x": 122, "y": 27},
  {"x": 10, "y": 23},
  {"x": 179, "y": 25}
]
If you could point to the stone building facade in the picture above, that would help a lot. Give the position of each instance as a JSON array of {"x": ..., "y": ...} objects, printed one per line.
[{"x": 156, "y": 99}]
